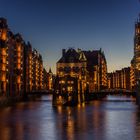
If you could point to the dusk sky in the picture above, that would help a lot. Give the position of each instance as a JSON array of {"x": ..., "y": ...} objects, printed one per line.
[{"x": 51, "y": 25}]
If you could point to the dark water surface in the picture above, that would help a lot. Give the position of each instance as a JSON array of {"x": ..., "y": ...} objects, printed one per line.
[{"x": 114, "y": 118}]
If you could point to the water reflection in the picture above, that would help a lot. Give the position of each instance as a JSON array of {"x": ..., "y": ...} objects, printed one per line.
[
  {"x": 80, "y": 122},
  {"x": 25, "y": 121},
  {"x": 98, "y": 120},
  {"x": 137, "y": 123}
]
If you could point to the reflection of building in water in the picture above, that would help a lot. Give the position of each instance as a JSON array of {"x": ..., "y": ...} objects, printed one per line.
[
  {"x": 18, "y": 126},
  {"x": 136, "y": 117},
  {"x": 83, "y": 122}
]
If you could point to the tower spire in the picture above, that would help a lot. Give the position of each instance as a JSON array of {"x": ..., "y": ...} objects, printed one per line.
[{"x": 50, "y": 71}]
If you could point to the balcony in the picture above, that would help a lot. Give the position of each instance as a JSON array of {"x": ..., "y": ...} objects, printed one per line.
[{"x": 3, "y": 67}]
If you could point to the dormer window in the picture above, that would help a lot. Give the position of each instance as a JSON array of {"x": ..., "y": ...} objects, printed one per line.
[{"x": 71, "y": 59}]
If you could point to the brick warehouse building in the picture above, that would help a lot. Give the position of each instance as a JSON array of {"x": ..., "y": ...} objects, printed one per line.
[
  {"x": 89, "y": 68},
  {"x": 18, "y": 64}
]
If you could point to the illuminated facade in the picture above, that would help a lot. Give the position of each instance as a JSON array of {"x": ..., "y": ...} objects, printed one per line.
[
  {"x": 40, "y": 61},
  {"x": 45, "y": 79},
  {"x": 137, "y": 50},
  {"x": 12, "y": 59},
  {"x": 120, "y": 79},
  {"x": 28, "y": 67},
  {"x": 3, "y": 57},
  {"x": 103, "y": 71},
  {"x": 88, "y": 67},
  {"x": 97, "y": 68},
  {"x": 37, "y": 70},
  {"x": 18, "y": 63},
  {"x": 21, "y": 68},
  {"x": 73, "y": 65},
  {"x": 34, "y": 70},
  {"x": 132, "y": 76},
  {"x": 135, "y": 63},
  {"x": 50, "y": 79}
]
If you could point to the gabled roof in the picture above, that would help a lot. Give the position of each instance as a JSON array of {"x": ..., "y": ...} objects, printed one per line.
[
  {"x": 73, "y": 56},
  {"x": 82, "y": 57},
  {"x": 92, "y": 57},
  {"x": 70, "y": 56}
]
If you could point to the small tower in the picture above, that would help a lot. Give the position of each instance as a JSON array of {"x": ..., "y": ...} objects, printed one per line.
[
  {"x": 137, "y": 49},
  {"x": 50, "y": 80}
]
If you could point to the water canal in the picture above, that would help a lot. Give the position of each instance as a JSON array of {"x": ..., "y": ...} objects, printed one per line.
[{"x": 114, "y": 118}]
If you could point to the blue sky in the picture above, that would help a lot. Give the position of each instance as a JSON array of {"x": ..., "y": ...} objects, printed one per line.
[{"x": 51, "y": 25}]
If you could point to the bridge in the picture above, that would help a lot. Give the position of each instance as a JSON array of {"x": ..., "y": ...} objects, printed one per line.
[
  {"x": 76, "y": 98},
  {"x": 118, "y": 91}
]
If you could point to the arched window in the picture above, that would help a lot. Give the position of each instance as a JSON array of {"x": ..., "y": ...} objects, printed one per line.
[
  {"x": 67, "y": 69},
  {"x": 76, "y": 69}
]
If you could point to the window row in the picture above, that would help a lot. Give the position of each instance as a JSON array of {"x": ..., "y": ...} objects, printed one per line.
[{"x": 69, "y": 69}]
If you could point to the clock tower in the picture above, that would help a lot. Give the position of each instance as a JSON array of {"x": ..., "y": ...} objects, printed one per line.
[{"x": 137, "y": 50}]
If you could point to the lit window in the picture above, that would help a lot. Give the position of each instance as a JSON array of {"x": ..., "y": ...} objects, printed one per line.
[{"x": 69, "y": 89}]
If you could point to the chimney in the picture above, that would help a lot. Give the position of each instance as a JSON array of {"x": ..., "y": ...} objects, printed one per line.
[{"x": 63, "y": 52}]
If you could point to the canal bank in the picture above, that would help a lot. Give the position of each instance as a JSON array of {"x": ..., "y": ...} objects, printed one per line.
[{"x": 8, "y": 101}]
